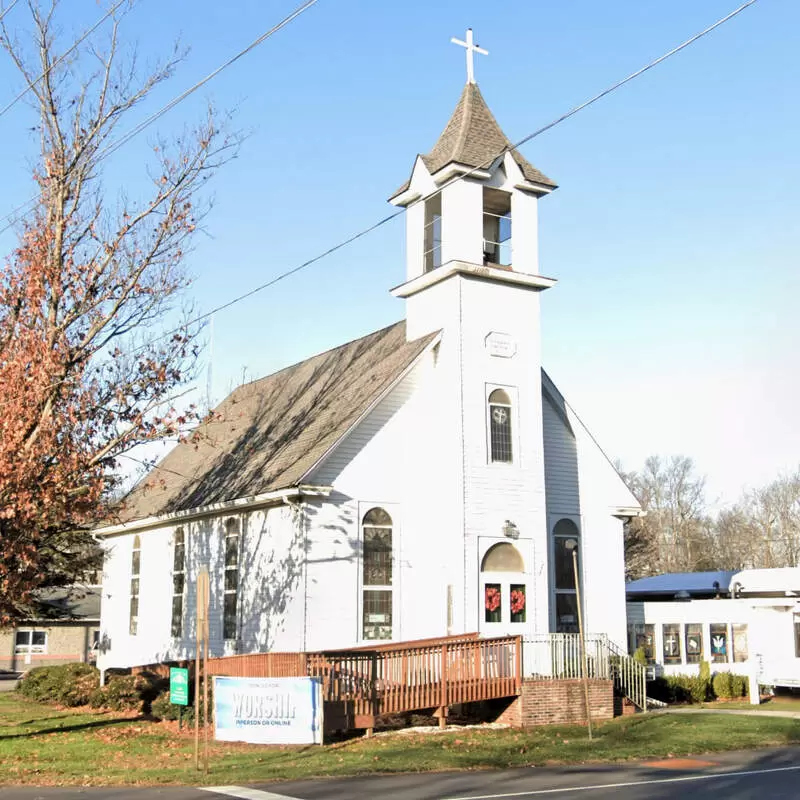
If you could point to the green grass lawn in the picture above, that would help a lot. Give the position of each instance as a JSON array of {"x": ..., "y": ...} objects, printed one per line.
[{"x": 47, "y": 746}]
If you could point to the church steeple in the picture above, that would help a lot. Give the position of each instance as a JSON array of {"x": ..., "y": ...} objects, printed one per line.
[{"x": 464, "y": 193}]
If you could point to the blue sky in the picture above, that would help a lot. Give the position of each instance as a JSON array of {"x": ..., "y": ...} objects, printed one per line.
[{"x": 674, "y": 233}]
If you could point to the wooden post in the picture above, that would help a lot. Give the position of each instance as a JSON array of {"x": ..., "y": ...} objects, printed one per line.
[
  {"x": 205, "y": 704},
  {"x": 584, "y": 667},
  {"x": 443, "y": 687},
  {"x": 201, "y": 590}
]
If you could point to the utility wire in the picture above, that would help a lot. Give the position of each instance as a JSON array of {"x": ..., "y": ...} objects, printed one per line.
[
  {"x": 114, "y": 146},
  {"x": 61, "y": 57},
  {"x": 380, "y": 223}
]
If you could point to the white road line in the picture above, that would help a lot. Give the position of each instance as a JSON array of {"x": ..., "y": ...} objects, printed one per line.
[
  {"x": 247, "y": 793},
  {"x": 682, "y": 779}
]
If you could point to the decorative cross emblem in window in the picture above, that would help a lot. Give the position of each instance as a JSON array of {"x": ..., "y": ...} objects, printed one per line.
[
  {"x": 671, "y": 643},
  {"x": 499, "y": 415}
]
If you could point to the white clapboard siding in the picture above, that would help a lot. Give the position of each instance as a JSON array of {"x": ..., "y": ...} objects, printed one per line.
[{"x": 560, "y": 462}]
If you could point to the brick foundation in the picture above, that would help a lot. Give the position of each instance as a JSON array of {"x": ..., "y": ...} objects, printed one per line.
[{"x": 558, "y": 702}]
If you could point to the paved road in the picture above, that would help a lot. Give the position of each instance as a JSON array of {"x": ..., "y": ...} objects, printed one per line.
[{"x": 751, "y": 775}]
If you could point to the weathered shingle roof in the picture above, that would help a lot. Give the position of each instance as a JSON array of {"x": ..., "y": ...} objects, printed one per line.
[
  {"x": 267, "y": 434},
  {"x": 473, "y": 138}
]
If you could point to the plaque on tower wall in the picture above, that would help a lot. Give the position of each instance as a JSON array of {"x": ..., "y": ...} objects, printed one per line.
[{"x": 501, "y": 345}]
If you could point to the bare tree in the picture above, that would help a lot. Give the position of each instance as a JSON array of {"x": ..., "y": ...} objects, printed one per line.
[
  {"x": 85, "y": 369},
  {"x": 674, "y": 534}
]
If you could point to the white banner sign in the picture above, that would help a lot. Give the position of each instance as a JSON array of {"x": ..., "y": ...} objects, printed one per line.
[{"x": 268, "y": 710}]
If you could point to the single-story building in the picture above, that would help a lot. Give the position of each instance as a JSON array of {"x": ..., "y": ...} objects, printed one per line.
[
  {"x": 65, "y": 628},
  {"x": 740, "y": 622}
]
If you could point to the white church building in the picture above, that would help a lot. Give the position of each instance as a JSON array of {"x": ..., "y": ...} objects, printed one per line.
[{"x": 426, "y": 479}]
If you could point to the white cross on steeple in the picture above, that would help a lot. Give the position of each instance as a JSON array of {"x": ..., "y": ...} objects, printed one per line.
[{"x": 471, "y": 48}]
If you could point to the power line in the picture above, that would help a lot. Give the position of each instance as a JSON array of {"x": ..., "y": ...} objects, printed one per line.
[
  {"x": 114, "y": 146},
  {"x": 380, "y": 223},
  {"x": 61, "y": 57}
]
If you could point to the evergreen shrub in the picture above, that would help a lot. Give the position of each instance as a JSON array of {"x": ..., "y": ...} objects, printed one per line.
[{"x": 65, "y": 684}]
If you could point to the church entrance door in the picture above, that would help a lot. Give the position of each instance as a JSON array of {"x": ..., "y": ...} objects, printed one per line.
[{"x": 503, "y": 591}]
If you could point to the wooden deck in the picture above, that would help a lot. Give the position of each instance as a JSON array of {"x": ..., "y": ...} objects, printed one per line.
[{"x": 361, "y": 684}]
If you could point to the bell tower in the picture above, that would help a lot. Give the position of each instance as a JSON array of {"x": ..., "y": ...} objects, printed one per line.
[
  {"x": 472, "y": 203},
  {"x": 472, "y": 274}
]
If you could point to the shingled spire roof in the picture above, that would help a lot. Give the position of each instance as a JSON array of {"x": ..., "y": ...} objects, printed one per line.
[{"x": 473, "y": 138}]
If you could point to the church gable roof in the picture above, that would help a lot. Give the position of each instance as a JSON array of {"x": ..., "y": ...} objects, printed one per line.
[
  {"x": 473, "y": 138},
  {"x": 266, "y": 435}
]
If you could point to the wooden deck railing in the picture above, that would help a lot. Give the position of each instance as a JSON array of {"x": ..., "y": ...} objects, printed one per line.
[{"x": 365, "y": 683}]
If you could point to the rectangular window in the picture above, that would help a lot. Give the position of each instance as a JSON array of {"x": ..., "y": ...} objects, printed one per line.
[
  {"x": 133, "y": 619},
  {"x": 27, "y": 642},
  {"x": 694, "y": 643},
  {"x": 518, "y": 602},
  {"x": 671, "y": 637},
  {"x": 719, "y": 642},
  {"x": 643, "y": 636},
  {"x": 231, "y": 579},
  {"x": 564, "y": 566},
  {"x": 566, "y": 613},
  {"x": 432, "y": 243},
  {"x": 492, "y": 602},
  {"x": 377, "y": 614},
  {"x": 797, "y": 635},
  {"x": 178, "y": 582},
  {"x": 500, "y": 432},
  {"x": 739, "y": 643}
]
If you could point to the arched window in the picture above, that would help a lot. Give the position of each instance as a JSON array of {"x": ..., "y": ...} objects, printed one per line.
[
  {"x": 500, "y": 427},
  {"x": 376, "y": 575},
  {"x": 231, "y": 586},
  {"x": 503, "y": 557},
  {"x": 178, "y": 581},
  {"x": 136, "y": 553},
  {"x": 566, "y": 540}
]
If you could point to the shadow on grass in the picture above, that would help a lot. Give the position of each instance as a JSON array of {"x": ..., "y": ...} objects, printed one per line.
[{"x": 100, "y": 723}]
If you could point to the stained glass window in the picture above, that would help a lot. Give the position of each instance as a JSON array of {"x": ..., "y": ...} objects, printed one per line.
[
  {"x": 739, "y": 643},
  {"x": 178, "y": 581},
  {"x": 694, "y": 643},
  {"x": 133, "y": 623},
  {"x": 376, "y": 575},
  {"x": 671, "y": 636},
  {"x": 231, "y": 581},
  {"x": 500, "y": 426},
  {"x": 719, "y": 642}
]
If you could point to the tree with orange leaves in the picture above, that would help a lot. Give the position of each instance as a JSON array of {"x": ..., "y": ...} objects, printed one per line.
[{"x": 85, "y": 372}]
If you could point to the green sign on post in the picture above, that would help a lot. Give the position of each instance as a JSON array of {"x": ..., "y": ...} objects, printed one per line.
[{"x": 179, "y": 686}]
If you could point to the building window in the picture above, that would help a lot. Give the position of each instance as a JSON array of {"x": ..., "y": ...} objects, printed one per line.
[
  {"x": 30, "y": 643},
  {"x": 719, "y": 642},
  {"x": 797, "y": 635},
  {"x": 376, "y": 579},
  {"x": 231, "y": 586},
  {"x": 178, "y": 581},
  {"x": 643, "y": 635},
  {"x": 500, "y": 427},
  {"x": 496, "y": 227},
  {"x": 739, "y": 643},
  {"x": 566, "y": 538},
  {"x": 694, "y": 643},
  {"x": 136, "y": 554},
  {"x": 432, "y": 241},
  {"x": 671, "y": 637}
]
